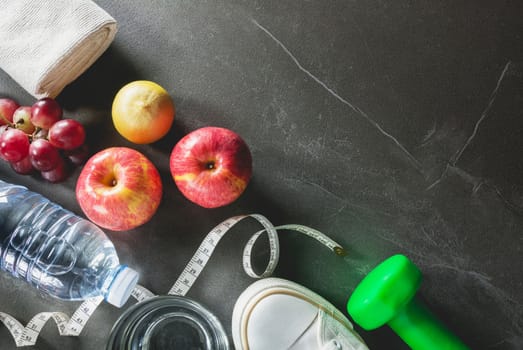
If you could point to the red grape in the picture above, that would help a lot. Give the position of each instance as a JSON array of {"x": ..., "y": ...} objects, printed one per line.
[
  {"x": 67, "y": 134},
  {"x": 45, "y": 112},
  {"x": 44, "y": 156},
  {"x": 36, "y": 138},
  {"x": 14, "y": 145},
  {"x": 7, "y": 108},
  {"x": 57, "y": 174},
  {"x": 4, "y": 128},
  {"x": 23, "y": 167},
  {"x": 78, "y": 155}
]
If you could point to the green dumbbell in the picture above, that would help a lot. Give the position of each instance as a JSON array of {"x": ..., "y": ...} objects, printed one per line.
[{"x": 387, "y": 296}]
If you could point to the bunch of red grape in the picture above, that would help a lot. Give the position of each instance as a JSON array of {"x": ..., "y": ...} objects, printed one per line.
[{"x": 36, "y": 138}]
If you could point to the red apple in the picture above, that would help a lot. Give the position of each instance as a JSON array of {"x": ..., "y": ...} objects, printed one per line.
[
  {"x": 119, "y": 189},
  {"x": 211, "y": 166},
  {"x": 7, "y": 108}
]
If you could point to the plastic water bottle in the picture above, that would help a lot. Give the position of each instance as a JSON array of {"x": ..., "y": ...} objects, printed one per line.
[{"x": 58, "y": 252}]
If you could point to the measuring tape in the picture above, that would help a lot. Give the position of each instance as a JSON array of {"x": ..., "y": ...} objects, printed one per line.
[{"x": 72, "y": 326}]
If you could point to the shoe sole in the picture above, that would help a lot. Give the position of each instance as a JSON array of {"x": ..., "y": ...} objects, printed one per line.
[{"x": 268, "y": 286}]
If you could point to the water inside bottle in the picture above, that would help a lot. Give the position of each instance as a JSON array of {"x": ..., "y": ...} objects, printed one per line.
[{"x": 52, "y": 248}]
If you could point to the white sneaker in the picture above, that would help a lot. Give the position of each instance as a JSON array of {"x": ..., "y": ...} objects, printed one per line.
[{"x": 274, "y": 314}]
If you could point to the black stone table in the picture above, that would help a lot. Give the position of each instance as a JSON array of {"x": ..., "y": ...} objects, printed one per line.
[{"x": 391, "y": 126}]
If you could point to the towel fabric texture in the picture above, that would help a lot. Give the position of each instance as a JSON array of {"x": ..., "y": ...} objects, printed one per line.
[{"x": 46, "y": 44}]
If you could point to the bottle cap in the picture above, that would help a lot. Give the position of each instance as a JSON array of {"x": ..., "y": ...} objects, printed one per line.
[{"x": 122, "y": 286}]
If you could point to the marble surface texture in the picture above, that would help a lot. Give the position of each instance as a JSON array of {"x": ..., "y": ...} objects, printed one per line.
[{"x": 391, "y": 126}]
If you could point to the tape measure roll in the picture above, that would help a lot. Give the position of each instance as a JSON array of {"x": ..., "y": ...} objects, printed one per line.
[{"x": 73, "y": 326}]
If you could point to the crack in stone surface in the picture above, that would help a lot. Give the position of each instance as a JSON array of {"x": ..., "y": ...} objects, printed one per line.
[
  {"x": 451, "y": 164},
  {"x": 415, "y": 163},
  {"x": 493, "y": 95}
]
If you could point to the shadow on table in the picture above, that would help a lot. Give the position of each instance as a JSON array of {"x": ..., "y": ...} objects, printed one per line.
[{"x": 98, "y": 85}]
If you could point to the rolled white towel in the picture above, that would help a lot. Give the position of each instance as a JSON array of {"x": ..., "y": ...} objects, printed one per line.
[{"x": 47, "y": 44}]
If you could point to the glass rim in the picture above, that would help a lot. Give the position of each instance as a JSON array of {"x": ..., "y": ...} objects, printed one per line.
[{"x": 139, "y": 322}]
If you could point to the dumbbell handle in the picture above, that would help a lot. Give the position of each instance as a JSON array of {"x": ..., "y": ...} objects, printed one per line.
[
  {"x": 420, "y": 329},
  {"x": 387, "y": 296}
]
